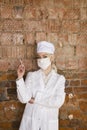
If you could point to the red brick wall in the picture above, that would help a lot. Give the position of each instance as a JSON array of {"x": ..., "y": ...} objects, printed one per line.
[{"x": 22, "y": 24}]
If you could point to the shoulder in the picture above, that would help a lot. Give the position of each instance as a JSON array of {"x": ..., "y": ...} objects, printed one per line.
[
  {"x": 33, "y": 73},
  {"x": 61, "y": 77}
]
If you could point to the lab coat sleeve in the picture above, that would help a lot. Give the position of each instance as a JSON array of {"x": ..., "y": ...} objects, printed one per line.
[
  {"x": 24, "y": 91},
  {"x": 57, "y": 99}
]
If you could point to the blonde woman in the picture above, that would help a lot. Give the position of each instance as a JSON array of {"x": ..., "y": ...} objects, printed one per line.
[{"x": 42, "y": 91}]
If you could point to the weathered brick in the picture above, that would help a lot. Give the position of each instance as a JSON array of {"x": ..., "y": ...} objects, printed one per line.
[
  {"x": 18, "y": 39},
  {"x": 72, "y": 14},
  {"x": 63, "y": 39},
  {"x": 60, "y": 63},
  {"x": 6, "y": 51},
  {"x": 20, "y": 52},
  {"x": 3, "y": 94},
  {"x": 81, "y": 51},
  {"x": 30, "y": 26},
  {"x": 6, "y": 11},
  {"x": 71, "y": 63},
  {"x": 40, "y": 36},
  {"x": 84, "y": 82},
  {"x": 13, "y": 25},
  {"x": 66, "y": 128},
  {"x": 52, "y": 13},
  {"x": 63, "y": 3},
  {"x": 64, "y": 123},
  {"x": 79, "y": 90},
  {"x": 83, "y": 25},
  {"x": 82, "y": 61},
  {"x": 29, "y": 38},
  {"x": 82, "y": 96},
  {"x": 30, "y": 51},
  {"x": 33, "y": 13},
  {"x": 4, "y": 65},
  {"x": 75, "y": 83},
  {"x": 72, "y": 39},
  {"x": 71, "y": 26},
  {"x": 82, "y": 39},
  {"x": 3, "y": 77},
  {"x": 83, "y": 12},
  {"x": 5, "y": 125},
  {"x": 6, "y": 39},
  {"x": 17, "y": 12},
  {"x": 83, "y": 106},
  {"x": 80, "y": 3},
  {"x": 52, "y": 37},
  {"x": 53, "y": 25}
]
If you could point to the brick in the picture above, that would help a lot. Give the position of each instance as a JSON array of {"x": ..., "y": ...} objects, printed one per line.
[
  {"x": 60, "y": 63},
  {"x": 66, "y": 128},
  {"x": 83, "y": 12},
  {"x": 71, "y": 63},
  {"x": 82, "y": 96},
  {"x": 52, "y": 37},
  {"x": 30, "y": 51},
  {"x": 80, "y": 3},
  {"x": 40, "y": 36},
  {"x": 83, "y": 25},
  {"x": 6, "y": 51},
  {"x": 28, "y": 64},
  {"x": 12, "y": 93},
  {"x": 4, "y": 65},
  {"x": 29, "y": 38},
  {"x": 63, "y": 3},
  {"x": 70, "y": 26},
  {"x": 63, "y": 39},
  {"x": 65, "y": 51},
  {"x": 17, "y": 12},
  {"x": 81, "y": 51},
  {"x": 0, "y": 51},
  {"x": 53, "y": 25},
  {"x": 33, "y": 13},
  {"x": 83, "y": 106},
  {"x": 6, "y": 12},
  {"x": 64, "y": 123},
  {"x": 72, "y": 14},
  {"x": 18, "y": 39},
  {"x": 84, "y": 82},
  {"x": 3, "y": 77},
  {"x": 30, "y": 26},
  {"x": 12, "y": 25},
  {"x": 52, "y": 13},
  {"x": 82, "y": 39},
  {"x": 3, "y": 94},
  {"x": 13, "y": 64},
  {"x": 5, "y": 125},
  {"x": 63, "y": 113},
  {"x": 6, "y": 39},
  {"x": 72, "y": 39},
  {"x": 1, "y": 25},
  {"x": 80, "y": 90},
  {"x": 75, "y": 83},
  {"x": 11, "y": 76},
  {"x": 21, "y": 52},
  {"x": 82, "y": 61}
]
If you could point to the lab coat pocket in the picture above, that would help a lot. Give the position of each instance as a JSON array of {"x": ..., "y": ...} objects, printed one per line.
[{"x": 53, "y": 125}]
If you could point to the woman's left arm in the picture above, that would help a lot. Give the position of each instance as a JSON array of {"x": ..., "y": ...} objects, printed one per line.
[{"x": 57, "y": 99}]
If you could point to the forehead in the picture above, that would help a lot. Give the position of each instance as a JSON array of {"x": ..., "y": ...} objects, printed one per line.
[{"x": 42, "y": 53}]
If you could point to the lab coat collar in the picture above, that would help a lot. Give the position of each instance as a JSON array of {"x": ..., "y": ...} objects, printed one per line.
[{"x": 51, "y": 81}]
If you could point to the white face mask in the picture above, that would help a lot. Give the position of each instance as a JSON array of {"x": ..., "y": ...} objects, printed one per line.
[{"x": 44, "y": 63}]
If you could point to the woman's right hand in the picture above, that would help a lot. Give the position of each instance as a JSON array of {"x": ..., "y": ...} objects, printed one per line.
[{"x": 21, "y": 70}]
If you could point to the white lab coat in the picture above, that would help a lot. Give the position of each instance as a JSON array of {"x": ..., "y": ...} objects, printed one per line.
[{"x": 43, "y": 114}]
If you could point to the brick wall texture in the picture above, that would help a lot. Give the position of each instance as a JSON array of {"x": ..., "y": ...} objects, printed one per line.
[{"x": 22, "y": 24}]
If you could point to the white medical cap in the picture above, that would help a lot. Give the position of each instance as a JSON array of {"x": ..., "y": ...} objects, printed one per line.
[{"x": 45, "y": 46}]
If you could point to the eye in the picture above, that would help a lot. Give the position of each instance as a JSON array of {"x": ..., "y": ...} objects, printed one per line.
[{"x": 45, "y": 56}]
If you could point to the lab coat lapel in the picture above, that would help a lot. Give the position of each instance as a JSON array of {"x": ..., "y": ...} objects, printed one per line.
[{"x": 51, "y": 81}]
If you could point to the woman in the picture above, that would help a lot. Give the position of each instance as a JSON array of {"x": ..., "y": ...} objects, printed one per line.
[{"x": 42, "y": 91}]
